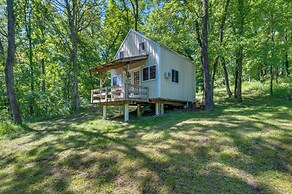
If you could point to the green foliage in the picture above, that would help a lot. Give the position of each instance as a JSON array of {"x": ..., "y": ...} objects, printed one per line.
[{"x": 7, "y": 128}]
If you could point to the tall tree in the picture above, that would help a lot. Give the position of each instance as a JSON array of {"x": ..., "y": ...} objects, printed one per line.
[
  {"x": 208, "y": 89},
  {"x": 239, "y": 52},
  {"x": 28, "y": 9},
  {"x": 220, "y": 58},
  {"x": 9, "y": 65},
  {"x": 78, "y": 16}
]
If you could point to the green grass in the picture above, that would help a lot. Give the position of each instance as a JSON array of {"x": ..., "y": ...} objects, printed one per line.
[{"x": 238, "y": 148}]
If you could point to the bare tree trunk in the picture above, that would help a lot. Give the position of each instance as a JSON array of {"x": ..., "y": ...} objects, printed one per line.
[
  {"x": 43, "y": 65},
  {"x": 135, "y": 7},
  {"x": 220, "y": 57},
  {"x": 239, "y": 74},
  {"x": 204, "y": 51},
  {"x": 215, "y": 64},
  {"x": 73, "y": 33},
  {"x": 9, "y": 66},
  {"x": 239, "y": 54},
  {"x": 271, "y": 80},
  {"x": 287, "y": 65},
  {"x": 44, "y": 75},
  {"x": 136, "y": 15},
  {"x": 28, "y": 30},
  {"x": 225, "y": 73}
]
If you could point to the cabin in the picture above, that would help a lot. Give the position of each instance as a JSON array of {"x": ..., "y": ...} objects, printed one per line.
[{"x": 145, "y": 73}]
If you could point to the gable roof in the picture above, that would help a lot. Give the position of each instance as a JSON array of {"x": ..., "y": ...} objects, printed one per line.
[{"x": 150, "y": 40}]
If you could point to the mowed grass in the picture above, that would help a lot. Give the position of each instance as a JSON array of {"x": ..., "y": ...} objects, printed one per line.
[{"x": 238, "y": 148}]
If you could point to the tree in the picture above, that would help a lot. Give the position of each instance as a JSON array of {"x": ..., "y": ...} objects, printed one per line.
[
  {"x": 78, "y": 15},
  {"x": 208, "y": 89},
  {"x": 9, "y": 65},
  {"x": 220, "y": 58},
  {"x": 239, "y": 52}
]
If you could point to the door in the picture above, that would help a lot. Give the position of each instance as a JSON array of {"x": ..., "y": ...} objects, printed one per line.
[
  {"x": 136, "y": 82},
  {"x": 136, "y": 78}
]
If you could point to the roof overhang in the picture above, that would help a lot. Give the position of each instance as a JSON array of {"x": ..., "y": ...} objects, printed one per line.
[{"x": 118, "y": 63}]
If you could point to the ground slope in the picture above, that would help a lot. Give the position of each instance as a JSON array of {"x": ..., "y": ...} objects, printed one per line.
[{"x": 242, "y": 148}]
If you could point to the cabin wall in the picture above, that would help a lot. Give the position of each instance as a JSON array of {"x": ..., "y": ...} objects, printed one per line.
[
  {"x": 184, "y": 90},
  {"x": 131, "y": 48}
]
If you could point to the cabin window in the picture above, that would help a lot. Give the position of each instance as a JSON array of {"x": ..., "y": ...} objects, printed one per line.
[
  {"x": 174, "y": 76},
  {"x": 145, "y": 73},
  {"x": 122, "y": 54},
  {"x": 141, "y": 47},
  {"x": 152, "y": 72},
  {"x": 149, "y": 73},
  {"x": 117, "y": 80}
]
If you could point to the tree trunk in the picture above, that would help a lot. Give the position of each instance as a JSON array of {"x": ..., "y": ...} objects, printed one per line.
[
  {"x": 28, "y": 29},
  {"x": 287, "y": 65},
  {"x": 239, "y": 74},
  {"x": 9, "y": 66},
  {"x": 271, "y": 80},
  {"x": 220, "y": 57},
  {"x": 239, "y": 54},
  {"x": 136, "y": 15},
  {"x": 73, "y": 33},
  {"x": 43, "y": 64},
  {"x": 43, "y": 76},
  {"x": 135, "y": 7},
  {"x": 225, "y": 73},
  {"x": 214, "y": 70},
  {"x": 204, "y": 52}
]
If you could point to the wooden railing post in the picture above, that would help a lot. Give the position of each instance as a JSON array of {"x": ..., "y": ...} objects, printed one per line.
[
  {"x": 141, "y": 90},
  {"x": 106, "y": 93},
  {"x": 126, "y": 91}
]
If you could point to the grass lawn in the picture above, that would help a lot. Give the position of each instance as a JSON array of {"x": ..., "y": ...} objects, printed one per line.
[{"x": 238, "y": 148}]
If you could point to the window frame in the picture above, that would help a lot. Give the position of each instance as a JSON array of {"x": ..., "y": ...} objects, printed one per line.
[
  {"x": 174, "y": 76},
  {"x": 140, "y": 50},
  {"x": 148, "y": 73}
]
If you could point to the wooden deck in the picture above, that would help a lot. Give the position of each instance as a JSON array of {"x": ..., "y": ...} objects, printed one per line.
[{"x": 119, "y": 95}]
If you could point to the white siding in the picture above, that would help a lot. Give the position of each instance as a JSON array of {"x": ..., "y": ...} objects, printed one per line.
[
  {"x": 165, "y": 60},
  {"x": 184, "y": 90},
  {"x": 130, "y": 47}
]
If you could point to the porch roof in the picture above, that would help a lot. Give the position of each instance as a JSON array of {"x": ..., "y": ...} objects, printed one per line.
[{"x": 118, "y": 63}]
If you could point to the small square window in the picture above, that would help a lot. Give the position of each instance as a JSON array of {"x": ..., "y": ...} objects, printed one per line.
[
  {"x": 174, "y": 76},
  {"x": 141, "y": 47},
  {"x": 122, "y": 54}
]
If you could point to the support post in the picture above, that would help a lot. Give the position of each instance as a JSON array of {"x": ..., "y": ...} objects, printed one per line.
[
  {"x": 162, "y": 109},
  {"x": 139, "y": 112},
  {"x": 104, "y": 112},
  {"x": 157, "y": 108},
  {"x": 126, "y": 114}
]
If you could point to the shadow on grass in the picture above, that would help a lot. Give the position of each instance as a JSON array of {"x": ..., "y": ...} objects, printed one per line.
[{"x": 228, "y": 150}]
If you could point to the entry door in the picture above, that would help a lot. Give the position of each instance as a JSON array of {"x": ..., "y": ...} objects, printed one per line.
[
  {"x": 136, "y": 77},
  {"x": 136, "y": 82}
]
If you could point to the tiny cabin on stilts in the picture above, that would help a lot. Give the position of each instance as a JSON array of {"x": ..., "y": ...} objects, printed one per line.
[{"x": 144, "y": 72}]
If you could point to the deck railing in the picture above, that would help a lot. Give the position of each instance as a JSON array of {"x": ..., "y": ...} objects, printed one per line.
[{"x": 120, "y": 93}]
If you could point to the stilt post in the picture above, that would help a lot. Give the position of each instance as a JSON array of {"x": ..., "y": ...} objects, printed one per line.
[
  {"x": 104, "y": 115},
  {"x": 126, "y": 114},
  {"x": 139, "y": 111}
]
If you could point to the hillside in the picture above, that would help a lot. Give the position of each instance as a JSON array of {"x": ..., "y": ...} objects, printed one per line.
[{"x": 238, "y": 148}]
